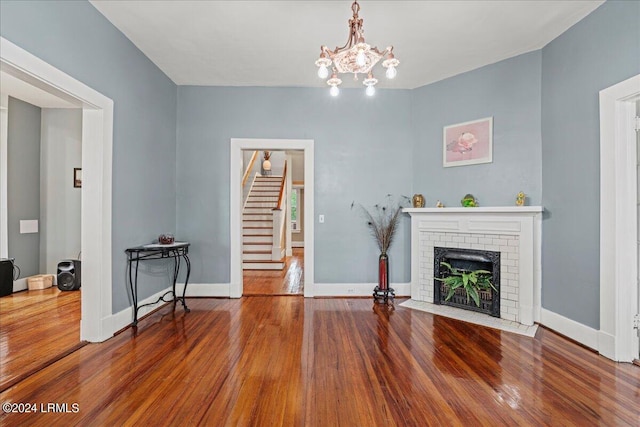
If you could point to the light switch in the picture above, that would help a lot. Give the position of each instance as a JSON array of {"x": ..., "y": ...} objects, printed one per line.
[
  {"x": 321, "y": 219},
  {"x": 28, "y": 226}
]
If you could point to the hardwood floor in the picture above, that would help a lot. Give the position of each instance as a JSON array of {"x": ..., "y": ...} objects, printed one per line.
[
  {"x": 285, "y": 361},
  {"x": 289, "y": 281},
  {"x": 36, "y": 328}
]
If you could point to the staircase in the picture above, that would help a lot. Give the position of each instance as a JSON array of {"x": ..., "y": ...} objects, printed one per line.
[{"x": 257, "y": 225}]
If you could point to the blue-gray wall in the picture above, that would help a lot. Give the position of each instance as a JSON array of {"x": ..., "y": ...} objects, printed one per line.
[
  {"x": 23, "y": 183},
  {"x": 545, "y": 109},
  {"x": 599, "y": 51},
  {"x": 74, "y": 37},
  {"x": 60, "y": 201},
  {"x": 363, "y": 150},
  {"x": 509, "y": 91}
]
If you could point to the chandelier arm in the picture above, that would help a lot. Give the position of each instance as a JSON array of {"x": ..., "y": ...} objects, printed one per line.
[
  {"x": 348, "y": 45},
  {"x": 384, "y": 52}
]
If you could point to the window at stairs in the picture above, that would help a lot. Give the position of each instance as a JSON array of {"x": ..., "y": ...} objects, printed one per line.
[{"x": 294, "y": 210}]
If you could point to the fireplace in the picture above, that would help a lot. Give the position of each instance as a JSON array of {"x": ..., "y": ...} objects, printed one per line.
[
  {"x": 513, "y": 231},
  {"x": 467, "y": 260}
]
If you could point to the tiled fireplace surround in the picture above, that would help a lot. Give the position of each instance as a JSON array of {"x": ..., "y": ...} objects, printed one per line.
[{"x": 512, "y": 231}]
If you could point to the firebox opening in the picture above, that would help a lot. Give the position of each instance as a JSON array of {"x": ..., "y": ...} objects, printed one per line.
[{"x": 468, "y": 260}]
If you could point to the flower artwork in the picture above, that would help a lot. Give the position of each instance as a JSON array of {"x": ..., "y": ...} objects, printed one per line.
[{"x": 468, "y": 143}]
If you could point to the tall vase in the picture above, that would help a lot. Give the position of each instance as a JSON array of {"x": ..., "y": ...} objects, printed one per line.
[{"x": 383, "y": 272}]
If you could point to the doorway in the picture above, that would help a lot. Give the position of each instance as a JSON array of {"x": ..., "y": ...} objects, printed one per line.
[
  {"x": 273, "y": 189},
  {"x": 638, "y": 221},
  {"x": 236, "y": 172},
  {"x": 97, "y": 139},
  {"x": 619, "y": 293}
]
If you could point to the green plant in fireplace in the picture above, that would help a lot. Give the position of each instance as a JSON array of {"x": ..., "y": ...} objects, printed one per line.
[{"x": 472, "y": 282}]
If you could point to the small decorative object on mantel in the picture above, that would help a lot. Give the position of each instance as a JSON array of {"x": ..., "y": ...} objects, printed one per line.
[
  {"x": 439, "y": 204},
  {"x": 383, "y": 222},
  {"x": 166, "y": 239},
  {"x": 418, "y": 201},
  {"x": 520, "y": 197},
  {"x": 468, "y": 201}
]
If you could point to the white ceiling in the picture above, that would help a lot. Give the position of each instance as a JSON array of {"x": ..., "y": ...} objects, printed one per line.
[{"x": 275, "y": 43}]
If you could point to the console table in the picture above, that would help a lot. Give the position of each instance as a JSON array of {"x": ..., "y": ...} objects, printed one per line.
[{"x": 176, "y": 251}]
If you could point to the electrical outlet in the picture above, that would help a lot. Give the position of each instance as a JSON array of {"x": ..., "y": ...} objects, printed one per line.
[
  {"x": 351, "y": 291},
  {"x": 321, "y": 219}
]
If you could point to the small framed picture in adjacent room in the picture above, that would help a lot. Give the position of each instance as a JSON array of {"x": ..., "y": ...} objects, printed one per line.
[
  {"x": 77, "y": 177},
  {"x": 468, "y": 143}
]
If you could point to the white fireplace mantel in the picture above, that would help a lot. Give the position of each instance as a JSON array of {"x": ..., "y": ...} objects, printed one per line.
[{"x": 513, "y": 231}]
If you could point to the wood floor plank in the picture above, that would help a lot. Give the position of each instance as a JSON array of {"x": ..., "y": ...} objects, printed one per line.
[
  {"x": 291, "y": 361},
  {"x": 288, "y": 281},
  {"x": 48, "y": 319}
]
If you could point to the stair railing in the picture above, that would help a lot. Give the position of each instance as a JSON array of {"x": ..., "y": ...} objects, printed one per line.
[
  {"x": 279, "y": 223},
  {"x": 246, "y": 189},
  {"x": 247, "y": 171}
]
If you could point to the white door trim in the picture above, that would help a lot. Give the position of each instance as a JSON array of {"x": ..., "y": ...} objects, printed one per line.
[
  {"x": 4, "y": 227},
  {"x": 618, "y": 225},
  {"x": 239, "y": 144},
  {"x": 97, "y": 141}
]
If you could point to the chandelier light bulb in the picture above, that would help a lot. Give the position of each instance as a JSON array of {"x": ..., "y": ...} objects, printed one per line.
[
  {"x": 334, "y": 91},
  {"x": 323, "y": 72},
  {"x": 361, "y": 58},
  {"x": 391, "y": 72},
  {"x": 371, "y": 90}
]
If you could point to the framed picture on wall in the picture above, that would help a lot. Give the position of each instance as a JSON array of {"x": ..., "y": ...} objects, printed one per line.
[
  {"x": 77, "y": 177},
  {"x": 468, "y": 143}
]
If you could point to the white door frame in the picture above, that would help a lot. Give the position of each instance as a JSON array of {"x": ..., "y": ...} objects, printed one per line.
[
  {"x": 617, "y": 339},
  {"x": 97, "y": 142},
  {"x": 237, "y": 145}
]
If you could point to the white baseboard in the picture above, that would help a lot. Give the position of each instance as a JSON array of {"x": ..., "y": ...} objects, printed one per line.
[
  {"x": 355, "y": 289},
  {"x": 295, "y": 244},
  {"x": 585, "y": 335},
  {"x": 607, "y": 345},
  {"x": 204, "y": 289},
  {"x": 124, "y": 318}
]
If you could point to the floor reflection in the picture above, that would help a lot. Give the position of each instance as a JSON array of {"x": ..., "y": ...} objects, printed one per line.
[{"x": 289, "y": 281}]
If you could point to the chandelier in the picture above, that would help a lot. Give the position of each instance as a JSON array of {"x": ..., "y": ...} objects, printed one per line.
[{"x": 356, "y": 56}]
